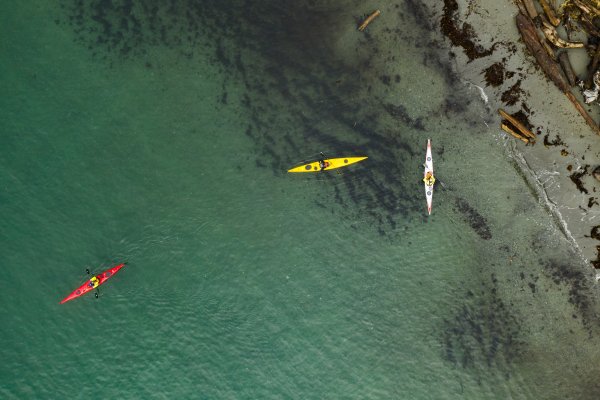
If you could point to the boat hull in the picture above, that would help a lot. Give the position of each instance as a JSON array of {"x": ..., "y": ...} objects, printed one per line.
[
  {"x": 334, "y": 163},
  {"x": 428, "y": 168},
  {"x": 85, "y": 288}
]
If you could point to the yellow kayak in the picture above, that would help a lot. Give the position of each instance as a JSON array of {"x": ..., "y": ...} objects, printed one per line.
[{"x": 330, "y": 163}]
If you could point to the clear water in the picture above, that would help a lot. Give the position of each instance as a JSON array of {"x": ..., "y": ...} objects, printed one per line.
[{"x": 160, "y": 136}]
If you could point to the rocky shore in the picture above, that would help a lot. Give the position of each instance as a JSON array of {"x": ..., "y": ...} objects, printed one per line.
[{"x": 561, "y": 166}]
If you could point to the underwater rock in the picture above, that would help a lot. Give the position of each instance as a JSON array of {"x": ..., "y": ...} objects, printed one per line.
[
  {"x": 580, "y": 294},
  {"x": 476, "y": 220},
  {"x": 484, "y": 332}
]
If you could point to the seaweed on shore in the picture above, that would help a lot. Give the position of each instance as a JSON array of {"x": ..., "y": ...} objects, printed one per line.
[
  {"x": 596, "y": 262},
  {"x": 462, "y": 36},
  {"x": 513, "y": 94},
  {"x": 494, "y": 74},
  {"x": 595, "y": 233},
  {"x": 576, "y": 178},
  {"x": 556, "y": 142}
]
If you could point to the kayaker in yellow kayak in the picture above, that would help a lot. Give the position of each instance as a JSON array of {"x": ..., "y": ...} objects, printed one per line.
[
  {"x": 429, "y": 179},
  {"x": 322, "y": 163},
  {"x": 94, "y": 282}
]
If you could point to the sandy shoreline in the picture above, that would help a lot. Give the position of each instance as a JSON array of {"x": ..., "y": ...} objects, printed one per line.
[{"x": 567, "y": 149}]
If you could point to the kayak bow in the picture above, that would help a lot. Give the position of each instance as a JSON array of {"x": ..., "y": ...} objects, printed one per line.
[
  {"x": 332, "y": 163},
  {"x": 85, "y": 288},
  {"x": 428, "y": 178}
]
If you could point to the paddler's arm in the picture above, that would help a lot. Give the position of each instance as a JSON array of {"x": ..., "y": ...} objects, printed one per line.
[{"x": 437, "y": 180}]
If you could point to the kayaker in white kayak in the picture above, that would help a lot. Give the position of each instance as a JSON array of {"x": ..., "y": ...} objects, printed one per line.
[{"x": 429, "y": 179}]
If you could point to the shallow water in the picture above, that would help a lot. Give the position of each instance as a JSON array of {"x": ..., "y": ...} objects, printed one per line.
[{"x": 160, "y": 136}]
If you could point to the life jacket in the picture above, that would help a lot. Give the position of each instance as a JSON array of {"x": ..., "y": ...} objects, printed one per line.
[
  {"x": 94, "y": 281},
  {"x": 429, "y": 179}
]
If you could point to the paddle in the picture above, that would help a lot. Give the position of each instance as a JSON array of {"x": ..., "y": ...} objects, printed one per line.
[
  {"x": 323, "y": 156},
  {"x": 97, "y": 289},
  {"x": 441, "y": 183},
  {"x": 438, "y": 180}
]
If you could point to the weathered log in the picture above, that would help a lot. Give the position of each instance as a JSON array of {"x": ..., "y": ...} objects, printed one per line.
[
  {"x": 587, "y": 8},
  {"x": 530, "y": 8},
  {"x": 552, "y": 36},
  {"x": 521, "y": 7},
  {"x": 549, "y": 11},
  {"x": 548, "y": 65},
  {"x": 507, "y": 129},
  {"x": 588, "y": 119},
  {"x": 517, "y": 124},
  {"x": 369, "y": 19},
  {"x": 549, "y": 49},
  {"x": 592, "y": 67},
  {"x": 588, "y": 25},
  {"x": 563, "y": 59}
]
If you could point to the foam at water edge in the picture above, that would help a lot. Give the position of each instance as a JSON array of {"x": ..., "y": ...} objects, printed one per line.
[{"x": 550, "y": 205}]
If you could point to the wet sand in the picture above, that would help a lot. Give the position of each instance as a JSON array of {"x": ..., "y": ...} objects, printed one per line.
[{"x": 491, "y": 57}]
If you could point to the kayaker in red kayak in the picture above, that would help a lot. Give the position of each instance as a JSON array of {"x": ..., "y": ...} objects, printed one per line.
[{"x": 94, "y": 282}]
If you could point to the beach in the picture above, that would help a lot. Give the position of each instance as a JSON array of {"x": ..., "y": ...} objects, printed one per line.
[
  {"x": 160, "y": 135},
  {"x": 567, "y": 149}
]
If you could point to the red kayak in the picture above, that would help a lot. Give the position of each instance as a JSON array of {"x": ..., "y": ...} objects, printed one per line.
[{"x": 88, "y": 286}]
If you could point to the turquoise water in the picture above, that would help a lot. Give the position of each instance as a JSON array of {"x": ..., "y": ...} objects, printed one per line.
[{"x": 160, "y": 136}]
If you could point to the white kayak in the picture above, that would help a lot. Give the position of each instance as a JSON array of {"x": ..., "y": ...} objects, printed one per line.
[{"x": 428, "y": 178}]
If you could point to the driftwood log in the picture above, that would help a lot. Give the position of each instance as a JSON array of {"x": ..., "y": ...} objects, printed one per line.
[
  {"x": 511, "y": 132},
  {"x": 517, "y": 124},
  {"x": 530, "y": 8},
  {"x": 587, "y": 8},
  {"x": 592, "y": 67},
  {"x": 563, "y": 59},
  {"x": 550, "y": 13},
  {"x": 368, "y": 20},
  {"x": 550, "y": 67}
]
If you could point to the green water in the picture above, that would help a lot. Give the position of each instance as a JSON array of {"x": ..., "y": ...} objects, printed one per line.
[{"x": 161, "y": 138}]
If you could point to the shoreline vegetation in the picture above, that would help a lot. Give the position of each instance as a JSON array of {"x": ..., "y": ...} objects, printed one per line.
[{"x": 551, "y": 34}]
